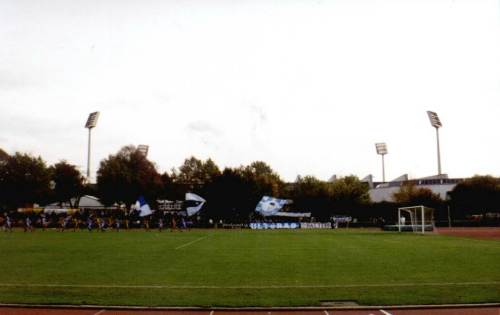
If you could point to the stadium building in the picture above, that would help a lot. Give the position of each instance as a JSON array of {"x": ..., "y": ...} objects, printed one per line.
[{"x": 438, "y": 184}]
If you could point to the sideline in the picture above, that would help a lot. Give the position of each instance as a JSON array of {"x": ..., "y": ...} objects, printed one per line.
[
  {"x": 125, "y": 286},
  {"x": 253, "y": 308},
  {"x": 192, "y": 242}
]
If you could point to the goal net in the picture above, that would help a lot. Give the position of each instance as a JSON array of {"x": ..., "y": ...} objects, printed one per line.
[{"x": 418, "y": 219}]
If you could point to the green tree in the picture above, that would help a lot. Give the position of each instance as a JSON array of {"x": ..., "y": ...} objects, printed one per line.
[
  {"x": 312, "y": 195},
  {"x": 196, "y": 172},
  {"x": 68, "y": 183},
  {"x": 349, "y": 191},
  {"x": 231, "y": 195},
  {"x": 3, "y": 156},
  {"x": 24, "y": 180},
  {"x": 266, "y": 181},
  {"x": 411, "y": 195},
  {"x": 126, "y": 175},
  {"x": 476, "y": 195}
]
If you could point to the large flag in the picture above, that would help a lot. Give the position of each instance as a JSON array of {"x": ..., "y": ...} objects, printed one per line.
[
  {"x": 193, "y": 203},
  {"x": 270, "y": 206},
  {"x": 143, "y": 207}
]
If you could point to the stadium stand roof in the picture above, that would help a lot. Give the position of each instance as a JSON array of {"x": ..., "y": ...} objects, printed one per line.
[
  {"x": 439, "y": 184},
  {"x": 85, "y": 202}
]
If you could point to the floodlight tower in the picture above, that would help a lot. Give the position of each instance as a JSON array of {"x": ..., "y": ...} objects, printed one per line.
[
  {"x": 91, "y": 123},
  {"x": 382, "y": 150},
  {"x": 436, "y": 123},
  {"x": 143, "y": 149}
]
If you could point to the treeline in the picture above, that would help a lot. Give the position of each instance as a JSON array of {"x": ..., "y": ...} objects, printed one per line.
[{"x": 232, "y": 193}]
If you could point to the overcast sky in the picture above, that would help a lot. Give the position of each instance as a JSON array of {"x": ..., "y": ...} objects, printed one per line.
[{"x": 307, "y": 86}]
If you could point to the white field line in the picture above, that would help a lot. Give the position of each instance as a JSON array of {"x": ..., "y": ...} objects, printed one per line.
[
  {"x": 212, "y": 313},
  {"x": 100, "y": 312},
  {"x": 257, "y": 287},
  {"x": 192, "y": 242},
  {"x": 326, "y": 312},
  {"x": 384, "y": 312}
]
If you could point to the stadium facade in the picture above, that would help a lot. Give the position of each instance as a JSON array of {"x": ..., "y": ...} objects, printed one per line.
[{"x": 438, "y": 184}]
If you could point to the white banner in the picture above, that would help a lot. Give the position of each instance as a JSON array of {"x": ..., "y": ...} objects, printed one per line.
[
  {"x": 274, "y": 226},
  {"x": 293, "y": 214},
  {"x": 316, "y": 225},
  {"x": 269, "y": 206}
]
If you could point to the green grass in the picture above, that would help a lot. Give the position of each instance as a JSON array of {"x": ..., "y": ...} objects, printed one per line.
[{"x": 246, "y": 268}]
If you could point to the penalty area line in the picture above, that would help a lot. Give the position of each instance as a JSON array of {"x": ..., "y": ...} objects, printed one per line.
[
  {"x": 192, "y": 242},
  {"x": 250, "y": 287}
]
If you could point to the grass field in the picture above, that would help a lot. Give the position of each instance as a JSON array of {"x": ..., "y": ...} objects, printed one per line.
[{"x": 246, "y": 268}]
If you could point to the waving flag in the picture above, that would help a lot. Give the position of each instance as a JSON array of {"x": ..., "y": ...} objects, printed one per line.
[
  {"x": 193, "y": 203},
  {"x": 270, "y": 206},
  {"x": 143, "y": 207}
]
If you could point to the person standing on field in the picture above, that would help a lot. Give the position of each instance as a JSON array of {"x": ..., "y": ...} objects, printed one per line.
[
  {"x": 45, "y": 222},
  {"x": 89, "y": 223},
  {"x": 174, "y": 223},
  {"x": 8, "y": 223},
  {"x": 27, "y": 224}
]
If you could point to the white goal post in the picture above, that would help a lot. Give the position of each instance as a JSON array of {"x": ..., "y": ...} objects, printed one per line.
[{"x": 421, "y": 219}]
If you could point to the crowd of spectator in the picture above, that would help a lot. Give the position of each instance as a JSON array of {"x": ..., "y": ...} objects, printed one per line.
[{"x": 115, "y": 220}]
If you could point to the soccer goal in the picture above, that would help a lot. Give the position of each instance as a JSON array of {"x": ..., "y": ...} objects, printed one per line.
[{"x": 419, "y": 219}]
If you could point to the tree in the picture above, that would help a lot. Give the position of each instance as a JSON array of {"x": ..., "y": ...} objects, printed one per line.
[
  {"x": 411, "y": 195},
  {"x": 24, "y": 180},
  {"x": 324, "y": 199},
  {"x": 476, "y": 195},
  {"x": 349, "y": 192},
  {"x": 3, "y": 156},
  {"x": 196, "y": 172},
  {"x": 312, "y": 195},
  {"x": 68, "y": 183},
  {"x": 230, "y": 196},
  {"x": 266, "y": 181},
  {"x": 126, "y": 175}
]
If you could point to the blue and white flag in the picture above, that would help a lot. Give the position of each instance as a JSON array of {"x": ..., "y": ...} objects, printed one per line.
[
  {"x": 270, "y": 206},
  {"x": 193, "y": 203},
  {"x": 142, "y": 206}
]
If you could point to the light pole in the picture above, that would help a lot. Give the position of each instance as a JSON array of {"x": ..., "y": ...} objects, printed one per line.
[
  {"x": 436, "y": 123},
  {"x": 143, "y": 149},
  {"x": 382, "y": 150},
  {"x": 91, "y": 123}
]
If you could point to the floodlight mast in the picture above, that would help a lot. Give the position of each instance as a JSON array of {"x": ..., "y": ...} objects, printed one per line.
[
  {"x": 436, "y": 123},
  {"x": 143, "y": 149},
  {"x": 91, "y": 123},
  {"x": 382, "y": 150}
]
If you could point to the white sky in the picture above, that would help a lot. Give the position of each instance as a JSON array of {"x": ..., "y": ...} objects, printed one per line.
[{"x": 307, "y": 86}]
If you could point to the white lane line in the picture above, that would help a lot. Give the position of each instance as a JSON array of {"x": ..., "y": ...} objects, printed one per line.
[
  {"x": 256, "y": 287},
  {"x": 100, "y": 312},
  {"x": 326, "y": 312},
  {"x": 212, "y": 313},
  {"x": 192, "y": 242},
  {"x": 384, "y": 312}
]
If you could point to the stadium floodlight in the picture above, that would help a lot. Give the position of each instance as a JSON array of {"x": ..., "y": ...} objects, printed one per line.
[
  {"x": 143, "y": 149},
  {"x": 382, "y": 150},
  {"x": 434, "y": 119},
  {"x": 436, "y": 123},
  {"x": 91, "y": 123}
]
